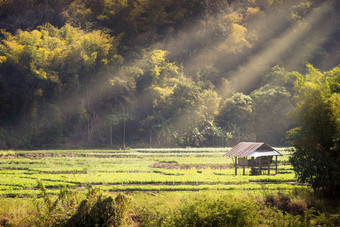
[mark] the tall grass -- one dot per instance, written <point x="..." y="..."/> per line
<point x="68" y="208"/>
<point x="225" y="209"/>
<point x="211" y="208"/>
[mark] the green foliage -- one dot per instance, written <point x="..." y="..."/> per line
<point x="212" y="209"/>
<point x="236" y="117"/>
<point x="166" y="63"/>
<point x="8" y="141"/>
<point x="316" y="157"/>
<point x="215" y="212"/>
<point x="48" y="52"/>
<point x="80" y="73"/>
<point x="271" y="105"/>
<point x="169" y="208"/>
<point x="216" y="134"/>
<point x="95" y="210"/>
<point x="47" y="63"/>
<point x="284" y="203"/>
<point x="174" y="108"/>
<point x="51" y="212"/>
<point x="132" y="170"/>
<point x="66" y="210"/>
<point x="48" y="128"/>
<point x="203" y="209"/>
<point x="193" y="185"/>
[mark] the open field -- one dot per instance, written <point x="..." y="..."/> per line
<point x="151" y="187"/>
<point x="190" y="169"/>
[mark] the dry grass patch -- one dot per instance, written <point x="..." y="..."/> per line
<point x="175" y="165"/>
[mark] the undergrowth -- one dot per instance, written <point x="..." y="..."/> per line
<point x="211" y="208"/>
<point x="73" y="208"/>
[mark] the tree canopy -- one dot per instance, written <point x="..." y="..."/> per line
<point x="77" y="73"/>
<point x="317" y="156"/>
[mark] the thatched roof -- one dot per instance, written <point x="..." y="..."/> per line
<point x="250" y="149"/>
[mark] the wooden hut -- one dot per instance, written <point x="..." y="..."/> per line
<point x="260" y="157"/>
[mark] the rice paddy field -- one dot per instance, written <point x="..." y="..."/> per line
<point x="152" y="187"/>
<point x="154" y="170"/>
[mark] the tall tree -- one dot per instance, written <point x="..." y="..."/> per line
<point x="62" y="67"/>
<point x="271" y="105"/>
<point x="236" y="116"/>
<point x="317" y="155"/>
<point x="272" y="102"/>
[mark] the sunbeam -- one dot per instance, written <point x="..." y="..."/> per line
<point x="262" y="61"/>
<point x="220" y="53"/>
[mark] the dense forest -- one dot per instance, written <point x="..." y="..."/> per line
<point x="85" y="73"/>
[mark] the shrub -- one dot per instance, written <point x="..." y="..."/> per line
<point x="213" y="212"/>
<point x="287" y="204"/>
<point x="206" y="210"/>
<point x="297" y="206"/>
<point x="94" y="210"/>
<point x="278" y="200"/>
<point x="102" y="213"/>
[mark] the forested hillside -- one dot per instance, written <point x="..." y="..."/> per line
<point x="82" y="73"/>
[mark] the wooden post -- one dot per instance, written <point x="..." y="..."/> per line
<point x="235" y="165"/>
<point x="275" y="164"/>
<point x="260" y="166"/>
<point x="268" y="159"/>
<point x="252" y="165"/>
<point x="244" y="170"/>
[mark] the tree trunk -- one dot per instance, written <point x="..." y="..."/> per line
<point x="88" y="132"/>
<point x="150" y="137"/>
<point x="124" y="125"/>
<point x="111" y="135"/>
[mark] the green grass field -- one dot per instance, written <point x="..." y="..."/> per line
<point x="155" y="187"/>
<point x="190" y="169"/>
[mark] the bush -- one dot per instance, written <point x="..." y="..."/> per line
<point x="279" y="200"/>
<point x="222" y="209"/>
<point x="297" y="206"/>
<point x="286" y="203"/>
<point x="94" y="210"/>
<point x="204" y="210"/>
<point x="214" y="212"/>
<point x="102" y="213"/>
<point x="8" y="141"/>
